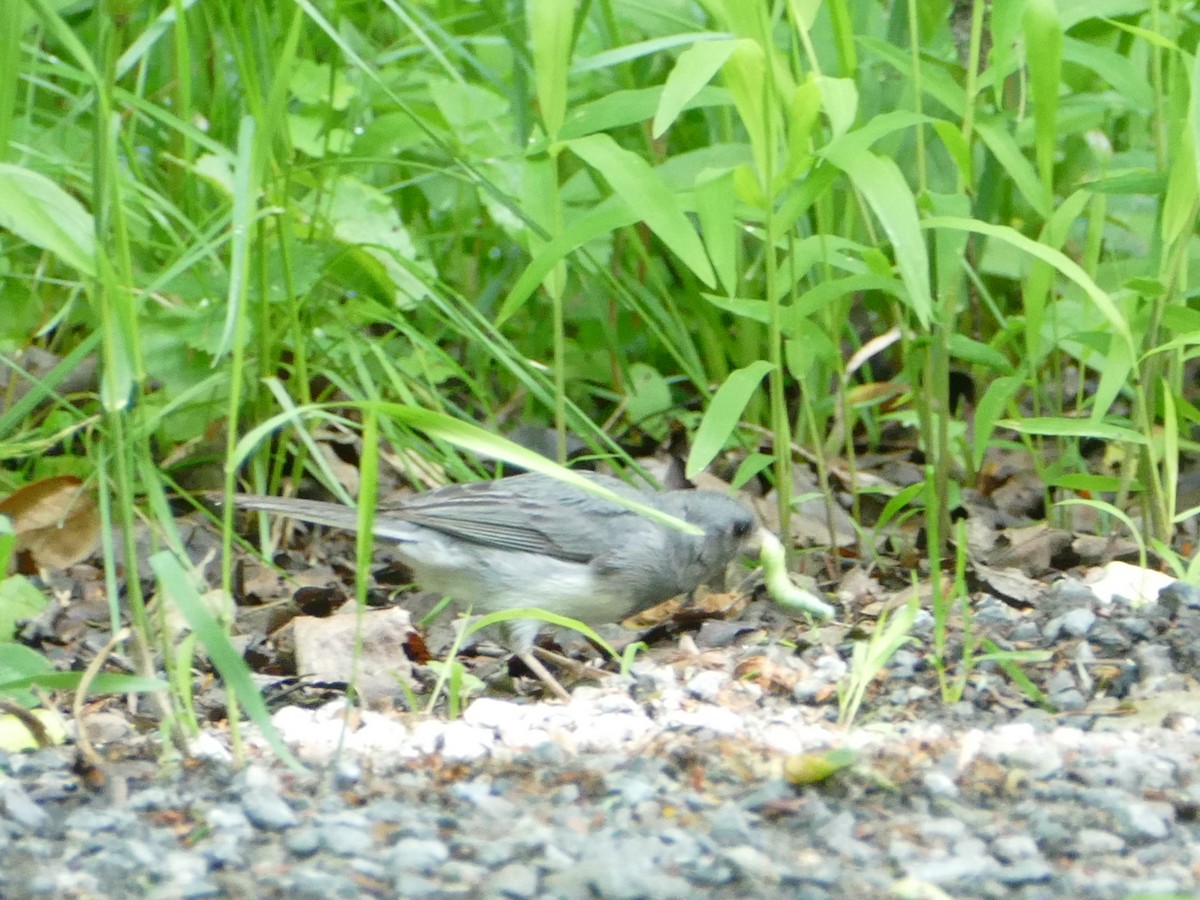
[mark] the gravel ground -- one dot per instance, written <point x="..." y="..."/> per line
<point x="676" y="783"/>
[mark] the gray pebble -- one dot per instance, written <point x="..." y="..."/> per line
<point x="302" y="841"/>
<point x="516" y="881"/>
<point x="728" y="825"/>
<point x="268" y="810"/>
<point x="1094" y="842"/>
<point x="418" y="855"/>
<point x="17" y="805"/>
<point x="1015" y="848"/>
<point x="752" y="864"/>
<point x="1078" y="622"/>
<point x="940" y="785"/>
<point x="1145" y="820"/>
<point x="342" y="839"/>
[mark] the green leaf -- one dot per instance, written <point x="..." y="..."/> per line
<point x="19" y="600"/>
<point x="1059" y="427"/>
<point x="550" y="26"/>
<point x="839" y="100"/>
<point x="1044" y="36"/>
<point x="542" y="615"/>
<point x="1086" y="482"/>
<point x="978" y="353"/>
<point x="714" y="197"/>
<point x="104" y="683"/>
<point x="461" y="434"/>
<point x="39" y="211"/>
<point x="603" y="219"/>
<point x="723" y="414"/>
<point x="1015" y="165"/>
<point x="693" y="70"/>
<point x="8" y="540"/>
<point x="1115" y="68"/>
<point x="636" y="182"/>
<point x="883" y="185"/>
<point x="744" y="74"/>
<point x="992" y="405"/>
<point x="17" y="664"/>
<point x="649" y="394"/>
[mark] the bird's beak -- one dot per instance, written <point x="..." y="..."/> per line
<point x="754" y="542"/>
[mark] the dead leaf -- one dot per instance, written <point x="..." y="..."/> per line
<point x="325" y="649"/>
<point x="767" y="674"/>
<point x="55" y="520"/>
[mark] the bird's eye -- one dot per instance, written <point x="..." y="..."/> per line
<point x="742" y="527"/>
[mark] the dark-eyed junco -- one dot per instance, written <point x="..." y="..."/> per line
<point x="534" y="541"/>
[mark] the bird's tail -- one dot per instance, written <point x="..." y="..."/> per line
<point x="316" y="512"/>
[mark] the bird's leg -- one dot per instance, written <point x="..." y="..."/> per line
<point x="576" y="668"/>
<point x="536" y="667"/>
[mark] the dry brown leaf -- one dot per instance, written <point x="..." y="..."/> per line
<point x="55" y="520"/>
<point x="767" y="674"/>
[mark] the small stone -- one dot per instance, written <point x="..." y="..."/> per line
<point x="1078" y="622"/>
<point x="419" y="854"/>
<point x="728" y="825"/>
<point x="1145" y="820"/>
<point x="752" y="864"/>
<point x="462" y="742"/>
<point x="302" y="841"/>
<point x="706" y="685"/>
<point x="516" y="880"/>
<point x="267" y="810"/>
<point x="1094" y="842"/>
<point x="939" y="784"/>
<point x="1014" y="848"/>
<point x="19" y="806"/>
<point x="345" y="840"/>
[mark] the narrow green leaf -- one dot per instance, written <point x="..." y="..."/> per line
<point x="550" y="26"/>
<point x="39" y="211"/>
<point x="1117" y="69"/>
<point x="1044" y="38"/>
<point x="1016" y="166"/>
<point x="714" y="198"/>
<point x="1059" y="427"/>
<point x="104" y="683"/>
<point x="641" y="49"/>
<point x="603" y="219"/>
<point x="843" y="36"/>
<point x="723" y="414"/>
<point x="461" y="434"/>
<point x="542" y="615"/>
<point x="1082" y="482"/>
<point x="992" y="405"/>
<point x="744" y="73"/>
<point x="636" y="182"/>
<point x="977" y="353"/>
<point x="886" y="192"/>
<point x="693" y="70"/>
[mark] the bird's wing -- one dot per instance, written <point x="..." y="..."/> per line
<point x="531" y="513"/>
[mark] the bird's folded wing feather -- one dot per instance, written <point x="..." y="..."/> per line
<point x="530" y="513"/>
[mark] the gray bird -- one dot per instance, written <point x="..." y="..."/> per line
<point x="534" y="541"/>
